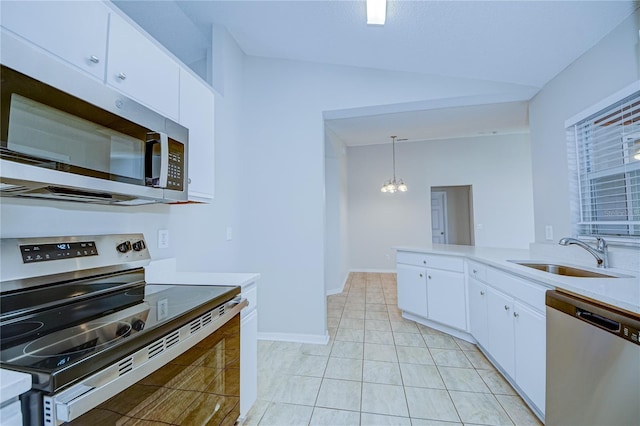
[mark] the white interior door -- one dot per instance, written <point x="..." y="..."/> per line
<point x="439" y="217"/>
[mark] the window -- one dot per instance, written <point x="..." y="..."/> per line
<point x="604" y="156"/>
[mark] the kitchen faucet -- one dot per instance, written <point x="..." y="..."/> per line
<point x="600" y="252"/>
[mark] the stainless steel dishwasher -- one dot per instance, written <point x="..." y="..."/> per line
<point x="593" y="363"/>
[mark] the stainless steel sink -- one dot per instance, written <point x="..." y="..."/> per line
<point x="568" y="271"/>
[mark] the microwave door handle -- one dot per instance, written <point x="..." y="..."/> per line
<point x="164" y="160"/>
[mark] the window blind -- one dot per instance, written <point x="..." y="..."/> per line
<point x="605" y="151"/>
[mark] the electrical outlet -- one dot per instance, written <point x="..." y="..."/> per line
<point x="163" y="309"/>
<point x="229" y="233"/>
<point x="163" y="238"/>
<point x="548" y="232"/>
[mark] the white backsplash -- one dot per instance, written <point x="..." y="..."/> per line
<point x="620" y="257"/>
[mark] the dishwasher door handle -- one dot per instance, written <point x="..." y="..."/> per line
<point x="598" y="320"/>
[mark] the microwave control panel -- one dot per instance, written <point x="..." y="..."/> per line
<point x="175" y="174"/>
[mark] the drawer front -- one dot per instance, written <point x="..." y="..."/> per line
<point x="477" y="270"/>
<point x="529" y="293"/>
<point x="411" y="258"/>
<point x="448" y="263"/>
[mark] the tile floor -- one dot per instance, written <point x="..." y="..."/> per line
<point x="380" y="369"/>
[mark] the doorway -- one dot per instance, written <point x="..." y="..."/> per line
<point x="452" y="215"/>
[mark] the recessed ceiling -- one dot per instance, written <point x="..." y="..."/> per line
<point x="522" y="42"/>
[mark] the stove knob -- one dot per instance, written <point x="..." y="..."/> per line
<point x="123" y="331"/>
<point x="124" y="247"/>
<point x="138" y="325"/>
<point x="139" y="245"/>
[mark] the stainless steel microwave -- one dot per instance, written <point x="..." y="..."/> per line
<point x="112" y="151"/>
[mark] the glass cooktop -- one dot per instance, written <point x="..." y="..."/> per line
<point x="62" y="356"/>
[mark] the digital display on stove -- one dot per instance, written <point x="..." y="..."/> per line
<point x="56" y="251"/>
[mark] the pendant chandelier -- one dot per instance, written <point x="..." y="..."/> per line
<point x="393" y="185"/>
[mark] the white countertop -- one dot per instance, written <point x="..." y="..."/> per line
<point x="164" y="272"/>
<point x="13" y="384"/>
<point x="623" y="293"/>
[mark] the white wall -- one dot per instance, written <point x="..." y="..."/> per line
<point x="606" y="68"/>
<point x="31" y="218"/>
<point x="201" y="229"/>
<point x="336" y="248"/>
<point x="282" y="210"/>
<point x="497" y="167"/>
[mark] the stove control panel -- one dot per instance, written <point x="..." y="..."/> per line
<point x="56" y="251"/>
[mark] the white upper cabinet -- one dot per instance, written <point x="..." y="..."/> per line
<point x="73" y="31"/>
<point x="197" y="114"/>
<point x="138" y="68"/>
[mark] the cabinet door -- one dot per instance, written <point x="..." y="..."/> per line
<point x="412" y="289"/>
<point x="478" y="312"/>
<point x="501" y="334"/>
<point x="140" y="69"/>
<point x="248" y="362"/>
<point x="446" y="298"/>
<point x="197" y="114"/>
<point x="73" y="31"/>
<point x="530" y="352"/>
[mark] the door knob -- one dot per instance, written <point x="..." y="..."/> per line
<point x="122" y="76"/>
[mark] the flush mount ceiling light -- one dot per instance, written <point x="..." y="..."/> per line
<point x="376" y="12"/>
<point x="392" y="185"/>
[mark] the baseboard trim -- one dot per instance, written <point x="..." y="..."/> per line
<point x="379" y="271"/>
<point x="341" y="289"/>
<point x="316" y="339"/>
<point x="440" y="327"/>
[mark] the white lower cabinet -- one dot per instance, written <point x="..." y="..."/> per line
<point x="248" y="362"/>
<point x="516" y="330"/>
<point x="478" y="322"/>
<point x="412" y="289"/>
<point x="530" y="352"/>
<point x="432" y="288"/>
<point x="500" y="325"/>
<point x="249" y="350"/>
<point x="445" y="298"/>
<point x="506" y="313"/>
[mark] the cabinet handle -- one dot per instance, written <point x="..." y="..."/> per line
<point x="122" y="76"/>
<point x="94" y="59"/>
<point x="475" y="271"/>
<point x="515" y="314"/>
<point x="424" y="262"/>
<point x="420" y="275"/>
<point x="482" y="293"/>
<point x="429" y="276"/>
<point x="506" y="307"/>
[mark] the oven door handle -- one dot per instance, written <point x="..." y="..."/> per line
<point x="238" y="302"/>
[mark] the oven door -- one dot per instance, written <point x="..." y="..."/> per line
<point x="82" y="397"/>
